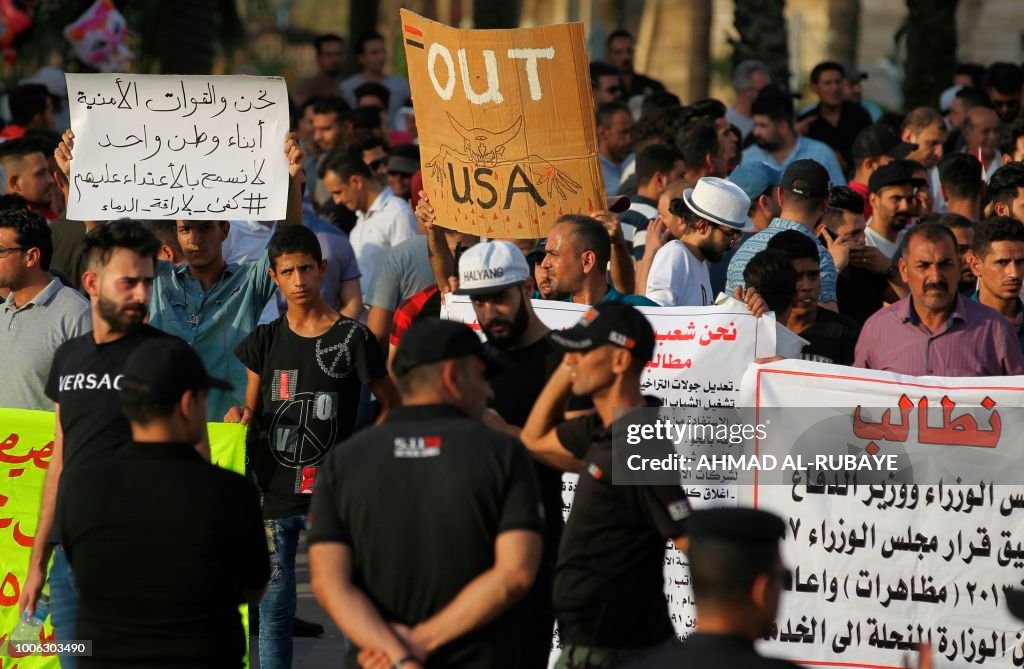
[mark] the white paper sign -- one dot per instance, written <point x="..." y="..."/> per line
<point x="178" y="147"/>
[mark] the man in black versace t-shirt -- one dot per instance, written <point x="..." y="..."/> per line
<point x="84" y="380"/>
<point x="305" y="374"/>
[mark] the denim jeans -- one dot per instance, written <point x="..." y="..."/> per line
<point x="63" y="603"/>
<point x="277" y="608"/>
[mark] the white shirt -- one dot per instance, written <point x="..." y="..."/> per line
<point x="247" y="240"/>
<point x="388" y="222"/>
<point x="872" y="238"/>
<point x="678" y="279"/>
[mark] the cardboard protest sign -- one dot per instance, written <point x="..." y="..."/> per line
<point x="506" y="125"/>
<point x="26" y="446"/>
<point x="178" y="147"/>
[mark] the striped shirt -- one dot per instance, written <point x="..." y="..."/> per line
<point x="975" y="341"/>
<point x="759" y="242"/>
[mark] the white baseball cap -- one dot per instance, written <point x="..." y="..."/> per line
<point x="488" y="267"/>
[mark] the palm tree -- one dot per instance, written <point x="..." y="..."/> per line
<point x="931" y="37"/>
<point x="844" y="22"/>
<point x="761" y="25"/>
<point x="496" y="13"/>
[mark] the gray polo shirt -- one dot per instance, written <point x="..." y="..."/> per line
<point x="30" y="335"/>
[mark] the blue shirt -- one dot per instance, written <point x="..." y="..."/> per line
<point x="805" y="148"/>
<point x="612" y="173"/>
<point x="1018" y="323"/>
<point x="759" y="242"/>
<point x="213" y="322"/>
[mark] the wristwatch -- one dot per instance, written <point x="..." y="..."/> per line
<point x="402" y="662"/>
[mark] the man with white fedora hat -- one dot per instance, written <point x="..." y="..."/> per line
<point x="715" y="212"/>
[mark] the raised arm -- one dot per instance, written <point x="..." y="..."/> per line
<point x="442" y="262"/>
<point x="296" y="178"/>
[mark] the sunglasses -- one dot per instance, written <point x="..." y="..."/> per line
<point x="376" y="164"/>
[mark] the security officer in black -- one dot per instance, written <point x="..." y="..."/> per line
<point x="608" y="591"/>
<point x="738" y="578"/>
<point x="427" y="528"/>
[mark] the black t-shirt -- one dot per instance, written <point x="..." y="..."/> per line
<point x="420" y="501"/>
<point x="84" y="380"/>
<point x="860" y="293"/>
<point x="609" y="584"/>
<point x="163" y="545"/>
<point x="833" y="338"/>
<point x="309" y="395"/>
<point x="852" y="119"/>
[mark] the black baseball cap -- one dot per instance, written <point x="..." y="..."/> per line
<point x="806" y="177"/>
<point x="879" y="139"/>
<point x="434" y="340"/>
<point x="739" y="525"/>
<point x="1015" y="602"/>
<point x="161" y="369"/>
<point x="895" y="173"/>
<point x="612" y="323"/>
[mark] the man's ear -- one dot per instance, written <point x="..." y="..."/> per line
<point x="903" y="271"/>
<point x="1002" y="209"/>
<point x="589" y="260"/>
<point x="323" y="267"/>
<point x="273" y="275"/>
<point x="622" y="359"/>
<point x="33" y="257"/>
<point x="12" y="183"/>
<point x="91" y="283"/>
<point x="759" y="590"/>
<point x="974" y="262"/>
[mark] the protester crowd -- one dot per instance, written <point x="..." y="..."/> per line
<point x="426" y="465"/>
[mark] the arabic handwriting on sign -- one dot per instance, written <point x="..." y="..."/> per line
<point x="961" y="431"/>
<point x="669" y="361"/>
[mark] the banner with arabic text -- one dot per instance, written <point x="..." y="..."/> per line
<point x="922" y="555"/>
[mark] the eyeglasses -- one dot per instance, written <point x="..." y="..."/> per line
<point x="375" y="165"/>
<point x="6" y="251"/>
<point x="727" y="231"/>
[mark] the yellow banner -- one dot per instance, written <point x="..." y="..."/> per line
<point x="24" y="457"/>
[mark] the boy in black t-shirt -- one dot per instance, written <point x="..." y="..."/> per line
<point x="305" y="373"/>
<point x="832" y="336"/>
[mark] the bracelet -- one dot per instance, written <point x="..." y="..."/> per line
<point x="399" y="663"/>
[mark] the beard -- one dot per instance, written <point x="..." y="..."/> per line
<point x="122" y="319"/>
<point x="514" y="329"/>
<point x="767" y="144"/>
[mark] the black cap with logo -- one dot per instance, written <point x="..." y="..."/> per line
<point x="612" y="323"/>
<point x="161" y="369"/>
<point x="894" y="174"/>
<point x="434" y="340"/>
<point x="806" y="177"/>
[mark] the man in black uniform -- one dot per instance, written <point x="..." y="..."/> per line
<point x="84" y="381"/>
<point x="608" y="595"/>
<point x="164" y="545"/>
<point x="738" y="578"/>
<point x="426" y="528"/>
<point x="497" y="278"/>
